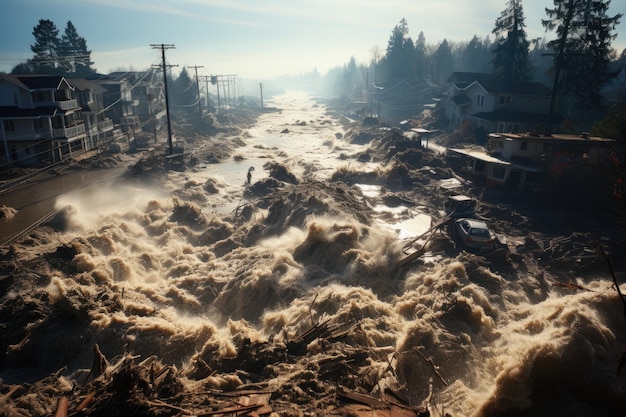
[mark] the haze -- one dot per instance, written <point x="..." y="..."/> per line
<point x="255" y="39"/>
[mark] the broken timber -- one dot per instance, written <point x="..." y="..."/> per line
<point x="413" y="256"/>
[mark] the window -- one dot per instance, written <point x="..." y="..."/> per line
<point x="38" y="124"/>
<point x="499" y="171"/>
<point x="501" y="128"/>
<point x="523" y="146"/>
<point x="480" y="99"/>
<point x="505" y="100"/>
<point x="9" y="126"/>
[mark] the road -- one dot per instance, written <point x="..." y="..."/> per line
<point x="35" y="199"/>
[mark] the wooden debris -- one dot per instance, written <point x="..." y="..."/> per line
<point x="62" y="407"/>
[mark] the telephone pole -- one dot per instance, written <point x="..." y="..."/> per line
<point x="163" y="47"/>
<point x="198" y="87"/>
<point x="206" y="84"/>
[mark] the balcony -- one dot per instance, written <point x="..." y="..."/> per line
<point x="67" y="104"/>
<point x="106" y="125"/>
<point x="68" y="132"/>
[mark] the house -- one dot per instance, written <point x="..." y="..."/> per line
<point x="40" y="119"/>
<point x="520" y="161"/>
<point x="133" y="99"/>
<point x="100" y="129"/>
<point x="496" y="106"/>
<point x="396" y="100"/>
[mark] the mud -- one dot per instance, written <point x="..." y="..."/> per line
<point x="294" y="303"/>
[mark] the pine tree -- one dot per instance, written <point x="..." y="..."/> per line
<point x="443" y="62"/>
<point x="74" y="55"/>
<point x="400" y="52"/>
<point x="582" y="47"/>
<point x="46" y="47"/>
<point x="475" y="56"/>
<point x="510" y="62"/>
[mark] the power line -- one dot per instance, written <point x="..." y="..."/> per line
<point x="198" y="87"/>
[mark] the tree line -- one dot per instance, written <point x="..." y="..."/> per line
<point x="578" y="63"/>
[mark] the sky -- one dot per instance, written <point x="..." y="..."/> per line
<point x="255" y="39"/>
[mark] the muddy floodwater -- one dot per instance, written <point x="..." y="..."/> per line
<point x="179" y="286"/>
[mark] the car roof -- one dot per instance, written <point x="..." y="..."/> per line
<point x="473" y="223"/>
<point x="460" y="197"/>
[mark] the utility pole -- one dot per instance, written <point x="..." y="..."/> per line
<point x="163" y="47"/>
<point x="198" y="87"/>
<point x="206" y="83"/>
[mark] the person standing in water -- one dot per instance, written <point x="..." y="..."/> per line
<point x="250" y="174"/>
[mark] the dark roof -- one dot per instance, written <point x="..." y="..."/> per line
<point x="468" y="77"/>
<point x="36" y="82"/>
<point x="504" y="115"/>
<point x="83" y="84"/>
<point x="461" y="100"/>
<point x="524" y="89"/>
<point x="14" y="112"/>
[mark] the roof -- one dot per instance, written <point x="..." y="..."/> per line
<point x="557" y="137"/>
<point x="514" y="88"/>
<point x="37" y="82"/>
<point x="468" y="77"/>
<point x="461" y="100"/>
<point x="460" y="197"/>
<point x="84" y="85"/>
<point x="473" y="223"/>
<point x="505" y="115"/>
<point x="483" y="156"/>
<point x="14" y="112"/>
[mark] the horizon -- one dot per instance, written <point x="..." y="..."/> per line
<point x="255" y="40"/>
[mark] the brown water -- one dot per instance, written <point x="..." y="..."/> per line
<point x="501" y="345"/>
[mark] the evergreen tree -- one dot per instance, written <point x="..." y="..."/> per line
<point x="74" y="55"/>
<point x="184" y="94"/>
<point x="582" y="47"/>
<point x="443" y="62"/>
<point x="46" y="47"/>
<point x="510" y="62"/>
<point x="399" y="56"/>
<point x="420" y="55"/>
<point x="475" y="56"/>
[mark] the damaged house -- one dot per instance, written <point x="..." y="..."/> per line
<point x="496" y="106"/>
<point x="41" y="119"/>
<point x="520" y="161"/>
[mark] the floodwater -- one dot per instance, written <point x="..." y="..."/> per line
<point x="455" y="332"/>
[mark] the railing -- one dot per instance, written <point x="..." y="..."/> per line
<point x="106" y="125"/>
<point x="68" y="132"/>
<point x="67" y="104"/>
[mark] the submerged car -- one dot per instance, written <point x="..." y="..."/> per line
<point x="474" y="234"/>
<point x="459" y="206"/>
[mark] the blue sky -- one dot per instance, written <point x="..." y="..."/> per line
<point x="255" y="39"/>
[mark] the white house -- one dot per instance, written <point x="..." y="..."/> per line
<point x="40" y="119"/>
<point x="496" y="106"/>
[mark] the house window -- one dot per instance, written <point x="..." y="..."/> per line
<point x="479" y="166"/>
<point x="480" y="99"/>
<point x="501" y="128"/>
<point x="498" y="171"/>
<point x="38" y="124"/>
<point x="505" y="100"/>
<point x="523" y="146"/>
<point x="9" y="126"/>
